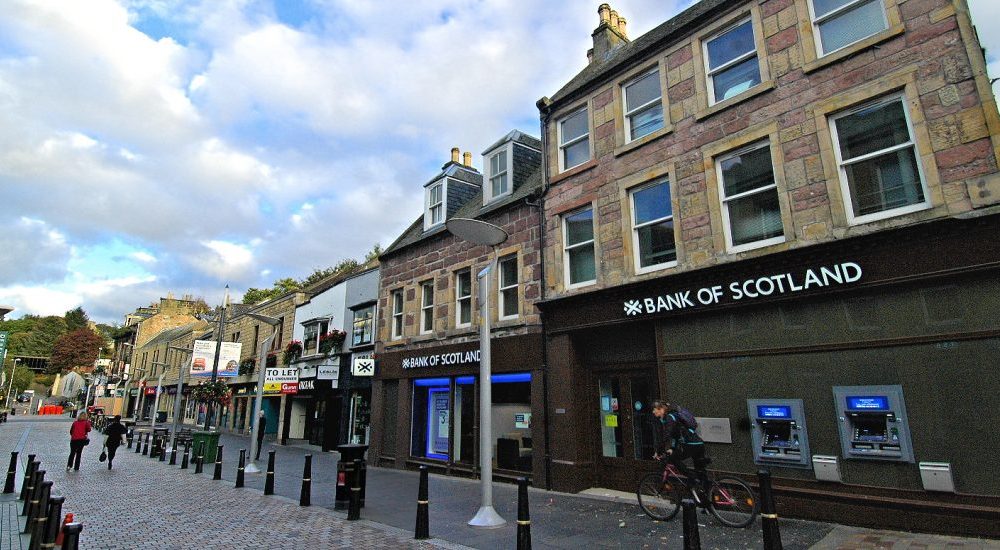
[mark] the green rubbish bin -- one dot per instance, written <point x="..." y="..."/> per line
<point x="211" y="441"/>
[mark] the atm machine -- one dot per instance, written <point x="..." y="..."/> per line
<point x="778" y="430"/>
<point x="873" y="423"/>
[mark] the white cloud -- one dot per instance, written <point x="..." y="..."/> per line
<point x="144" y="257"/>
<point x="224" y="260"/>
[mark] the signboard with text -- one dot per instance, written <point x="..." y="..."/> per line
<point x="3" y="344"/>
<point x="203" y="358"/>
<point x="281" y="380"/>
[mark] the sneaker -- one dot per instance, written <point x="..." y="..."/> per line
<point x="68" y="468"/>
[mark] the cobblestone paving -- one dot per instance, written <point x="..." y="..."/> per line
<point x="849" y="538"/>
<point x="144" y="503"/>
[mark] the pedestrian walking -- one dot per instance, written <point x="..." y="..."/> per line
<point x="78" y="440"/>
<point x="116" y="437"/>
<point x="260" y="432"/>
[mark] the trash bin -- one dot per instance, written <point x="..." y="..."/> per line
<point x="211" y="441"/>
<point x="346" y="473"/>
<point x="161" y="417"/>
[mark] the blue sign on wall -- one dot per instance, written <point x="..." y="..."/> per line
<point x="773" y="412"/>
<point x="868" y="403"/>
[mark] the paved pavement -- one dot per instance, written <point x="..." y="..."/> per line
<point x="198" y="512"/>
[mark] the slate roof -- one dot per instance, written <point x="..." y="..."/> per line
<point x="171" y="334"/>
<point x="459" y="172"/>
<point x="516" y="136"/>
<point x="678" y="27"/>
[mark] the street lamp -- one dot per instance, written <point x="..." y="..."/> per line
<point x="218" y="352"/>
<point x="156" y="399"/>
<point x="128" y="380"/>
<point x="177" y="397"/>
<point x="10" y="387"/>
<point x="259" y="398"/>
<point x="484" y="234"/>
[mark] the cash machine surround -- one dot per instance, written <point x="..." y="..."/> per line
<point x="873" y="423"/>
<point x="779" y="432"/>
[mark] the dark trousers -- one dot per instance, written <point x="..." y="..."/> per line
<point x="697" y="455"/>
<point x="75" y="453"/>
<point x="260" y="443"/>
<point x="112" y="449"/>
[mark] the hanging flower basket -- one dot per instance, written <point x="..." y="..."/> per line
<point x="212" y="392"/>
<point x="292" y="352"/>
<point x="247" y="366"/>
<point x="333" y="340"/>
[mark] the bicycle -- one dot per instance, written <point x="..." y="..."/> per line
<point x="729" y="499"/>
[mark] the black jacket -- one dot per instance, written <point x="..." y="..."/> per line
<point x="115" y="431"/>
<point x="671" y="433"/>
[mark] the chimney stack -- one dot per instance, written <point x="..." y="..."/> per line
<point x="454" y="155"/>
<point x="609" y="34"/>
<point x="621" y="27"/>
<point x="467" y="159"/>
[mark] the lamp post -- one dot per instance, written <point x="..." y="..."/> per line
<point x="259" y="398"/>
<point x="10" y="387"/>
<point x="177" y="397"/>
<point x="483" y="234"/>
<point x="128" y="380"/>
<point x="156" y="399"/>
<point x="210" y="408"/>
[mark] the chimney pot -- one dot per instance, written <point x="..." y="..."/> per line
<point x="621" y="26"/>
<point x="454" y="154"/>
<point x="604" y="10"/>
<point x="467" y="159"/>
<point x="590" y="55"/>
<point x="614" y="20"/>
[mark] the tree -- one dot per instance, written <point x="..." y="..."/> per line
<point x="78" y="348"/>
<point x="76" y="319"/>
<point x="281" y="286"/>
<point x="374" y="253"/>
<point x="34" y="336"/>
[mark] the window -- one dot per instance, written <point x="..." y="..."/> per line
<point x="840" y="23"/>
<point x="426" y="307"/>
<point x="435" y="205"/>
<point x="463" y="298"/>
<point x="498" y="170"/>
<point x="750" y="207"/>
<point x="276" y="344"/>
<point x="310" y="339"/>
<point x="653" y="227"/>
<point x="236" y="336"/>
<point x="507" y="279"/>
<point x="397" y="314"/>
<point x="732" y="62"/>
<point x="574" y="140"/>
<point x="579" y="248"/>
<point x="878" y="161"/>
<point x="362" y="326"/>
<point x="256" y="338"/>
<point x="643" y="105"/>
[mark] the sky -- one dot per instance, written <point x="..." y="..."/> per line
<point x="150" y="147"/>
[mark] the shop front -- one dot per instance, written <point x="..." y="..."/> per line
<point x="849" y="369"/>
<point x="320" y="397"/>
<point x="429" y="400"/>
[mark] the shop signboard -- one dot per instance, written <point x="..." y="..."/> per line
<point x="307" y="371"/>
<point x="456" y="358"/>
<point x="150" y="390"/>
<point x="363" y="364"/>
<point x="203" y="357"/>
<point x="279" y="380"/>
<point x="329" y="370"/>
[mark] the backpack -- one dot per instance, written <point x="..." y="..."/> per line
<point x="687" y="418"/>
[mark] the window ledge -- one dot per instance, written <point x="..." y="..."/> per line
<point x="573" y="171"/>
<point x="848" y="51"/>
<point x="636" y="143"/>
<point x="757" y="90"/>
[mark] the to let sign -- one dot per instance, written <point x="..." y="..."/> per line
<point x="281" y="380"/>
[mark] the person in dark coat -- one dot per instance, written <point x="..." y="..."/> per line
<point x="260" y="432"/>
<point x="116" y="432"/>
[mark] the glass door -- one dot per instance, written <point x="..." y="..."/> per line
<point x="624" y="423"/>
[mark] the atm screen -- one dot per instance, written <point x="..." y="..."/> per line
<point x="869" y="428"/>
<point x="868" y="403"/>
<point x="774" y="411"/>
<point x="777" y="434"/>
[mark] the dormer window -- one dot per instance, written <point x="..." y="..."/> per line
<point x="498" y="170"/>
<point x="435" y="205"/>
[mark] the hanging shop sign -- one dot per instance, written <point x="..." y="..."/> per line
<point x="329" y="370"/>
<point x="844" y="273"/>
<point x="150" y="390"/>
<point x="442" y="359"/>
<point x="280" y="380"/>
<point x="203" y="357"/>
<point x="307" y="371"/>
<point x="363" y="364"/>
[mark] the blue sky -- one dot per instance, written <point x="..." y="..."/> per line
<point x="155" y="146"/>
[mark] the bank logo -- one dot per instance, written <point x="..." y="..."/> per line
<point x="633" y="307"/>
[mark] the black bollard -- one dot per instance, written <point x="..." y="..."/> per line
<point x="128" y="438"/>
<point x="8" y="487"/>
<point x="422" y="530"/>
<point x="523" y="518"/>
<point x="768" y="514"/>
<point x="240" y="468"/>
<point x="71" y="536"/>
<point x="163" y="448"/>
<point x="269" y="476"/>
<point x="36" y="484"/>
<point x="152" y="446"/>
<point x="37" y="508"/>
<point x="217" y="475"/>
<point x="187" y="454"/>
<point x="173" y="454"/>
<point x="199" y="458"/>
<point x="138" y="443"/>
<point x="354" y="504"/>
<point x="37" y="527"/>
<point x="143" y="438"/>
<point x="305" y="494"/>
<point x="54" y="522"/>
<point x="692" y="541"/>
<point x="32" y="466"/>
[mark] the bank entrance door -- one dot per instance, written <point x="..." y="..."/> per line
<point x="624" y="418"/>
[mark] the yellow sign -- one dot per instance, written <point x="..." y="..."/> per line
<point x="611" y="420"/>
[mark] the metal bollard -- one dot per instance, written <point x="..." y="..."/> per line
<point x="154" y="441"/>
<point x="187" y="454"/>
<point x="199" y="459"/>
<point x="173" y="454"/>
<point x="71" y="538"/>
<point x="54" y="522"/>
<point x="32" y="466"/>
<point x="8" y="487"/>
<point x="768" y="514"/>
<point x="128" y="438"/>
<point x="354" y="504"/>
<point x="36" y="484"/>
<point x="523" y="518"/>
<point x="37" y="527"/>
<point x="422" y="530"/>
<point x="138" y="444"/>
<point x="39" y="506"/>
<point x="163" y="449"/>
<point x="692" y="540"/>
<point x="217" y="475"/>
<point x="305" y="494"/>
<point x="145" y="450"/>
<point x="269" y="476"/>
<point x="240" y="468"/>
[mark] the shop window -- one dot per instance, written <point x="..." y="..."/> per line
<point x="877" y="158"/>
<point x="643" y="105"/>
<point x="463" y="298"/>
<point x="397" y="314"/>
<point x="578" y="236"/>
<point x="362" y="326"/>
<point x="611" y="431"/>
<point x="426" y="307"/>
<point x="574" y="140"/>
<point x="508" y="287"/>
<point x="840" y="23"/>
<point x="310" y="338"/>
<point x="750" y="208"/>
<point x="653" y="227"/>
<point x="731" y="61"/>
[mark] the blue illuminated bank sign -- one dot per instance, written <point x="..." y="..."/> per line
<point x="843" y="273"/>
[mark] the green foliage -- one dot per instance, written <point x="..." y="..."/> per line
<point x="257" y="295"/>
<point x="23" y="379"/>
<point x="76" y="319"/>
<point x="374" y="253"/>
<point x="45" y="380"/>
<point x="78" y="348"/>
<point x="33" y="336"/>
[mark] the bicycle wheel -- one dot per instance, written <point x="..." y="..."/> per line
<point x="659" y="499"/>
<point x="732" y="502"/>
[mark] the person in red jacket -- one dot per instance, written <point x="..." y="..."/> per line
<point x="78" y="440"/>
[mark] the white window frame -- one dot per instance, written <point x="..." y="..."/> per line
<point x="443" y="204"/>
<point x="628" y="114"/>
<point x="637" y="253"/>
<point x="501" y="301"/>
<point x="709" y="71"/>
<point x="845" y="187"/>
<point x="459" y="299"/>
<point x="563" y="146"/>
<point x="397" y="315"/>
<point x="507" y="169"/>
<point x="370" y="321"/>
<point x="568" y="247"/>
<point x="723" y="199"/>
<point x="319" y="333"/>
<point x="425" y="307"/>
<point x="817" y="21"/>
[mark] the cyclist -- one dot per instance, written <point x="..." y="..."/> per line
<point x="684" y="442"/>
